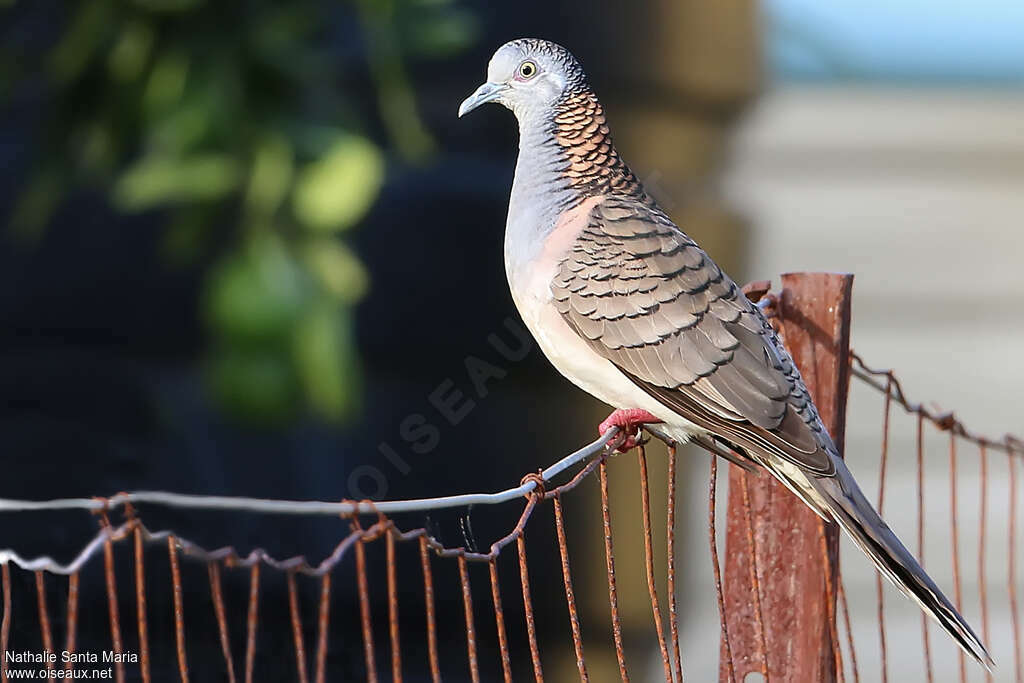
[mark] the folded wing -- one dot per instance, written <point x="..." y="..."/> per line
<point x="645" y="296"/>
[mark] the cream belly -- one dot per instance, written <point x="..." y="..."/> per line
<point x="530" y="279"/>
<point x="588" y="370"/>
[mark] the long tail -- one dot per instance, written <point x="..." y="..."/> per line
<point x="839" y="498"/>
<point x="846" y="504"/>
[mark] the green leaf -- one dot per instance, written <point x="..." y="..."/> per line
<point x="166" y="83"/>
<point x="157" y="181"/>
<point x="257" y="385"/>
<point x="181" y="128"/>
<point x="79" y="43"/>
<point x="257" y="294"/>
<point x="324" y="350"/>
<point x="131" y="51"/>
<point x="337" y="269"/>
<point x="335" y="191"/>
<point x="271" y="175"/>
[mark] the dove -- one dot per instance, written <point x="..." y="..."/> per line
<point x="631" y="310"/>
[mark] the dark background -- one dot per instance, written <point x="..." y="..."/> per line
<point x="106" y="352"/>
<point x="243" y="242"/>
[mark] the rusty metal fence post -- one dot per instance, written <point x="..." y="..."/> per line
<point x="782" y="561"/>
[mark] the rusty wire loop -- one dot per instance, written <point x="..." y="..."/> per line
<point x="467" y="605"/>
<point x="982" y="533"/>
<point x="5" y="623"/>
<point x="609" y="554"/>
<point x="531" y="625"/>
<point x="499" y="621"/>
<point x="570" y="596"/>
<point x="323" y="624"/>
<point x="364" y="607"/>
<point x="428" y="600"/>
<point x="1012" y="573"/>
<point x="396" y="648"/>
<point x="219" y="611"/>
<point x="716" y="568"/>
<point x="830" y="594"/>
<point x="670" y="563"/>
<point x="140" y="605"/>
<point x="755" y="581"/>
<point x="841" y="595"/>
<point x="302" y="673"/>
<point x="920" y="540"/>
<point x="252" y="621"/>
<point x="882" y="466"/>
<point x="72" y="618"/>
<point x="112" y="606"/>
<point x="44" y="619"/>
<point x="955" y="537"/>
<point x="179" y="608"/>
<point x="645" y="502"/>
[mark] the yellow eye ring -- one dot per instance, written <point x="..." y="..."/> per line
<point x="527" y="70"/>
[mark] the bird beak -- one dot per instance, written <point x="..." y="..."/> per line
<point x="485" y="93"/>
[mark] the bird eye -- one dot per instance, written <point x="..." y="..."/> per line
<point x="527" y="70"/>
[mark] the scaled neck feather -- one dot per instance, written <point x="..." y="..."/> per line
<point x="566" y="156"/>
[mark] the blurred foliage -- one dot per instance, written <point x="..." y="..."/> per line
<point x="242" y="121"/>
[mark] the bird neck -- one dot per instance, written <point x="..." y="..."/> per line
<point x="566" y="156"/>
<point x="593" y="166"/>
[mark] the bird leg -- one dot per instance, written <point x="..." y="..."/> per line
<point x="629" y="421"/>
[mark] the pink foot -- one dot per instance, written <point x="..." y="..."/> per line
<point x="629" y="422"/>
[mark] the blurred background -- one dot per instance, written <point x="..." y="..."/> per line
<point x="246" y="248"/>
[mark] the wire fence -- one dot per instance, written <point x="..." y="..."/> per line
<point x="1010" y="449"/>
<point x="239" y="634"/>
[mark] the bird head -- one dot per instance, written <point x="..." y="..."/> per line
<point x="527" y="75"/>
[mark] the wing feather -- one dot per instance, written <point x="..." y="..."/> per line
<point x="645" y="296"/>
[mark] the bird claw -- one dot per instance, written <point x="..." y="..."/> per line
<point x="629" y="421"/>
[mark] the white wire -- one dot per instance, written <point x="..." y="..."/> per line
<point x="305" y="507"/>
<point x="298" y="563"/>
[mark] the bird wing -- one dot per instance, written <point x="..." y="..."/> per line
<point x="646" y="297"/>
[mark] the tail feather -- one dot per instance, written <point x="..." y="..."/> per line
<point x="839" y="498"/>
<point x="846" y="504"/>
